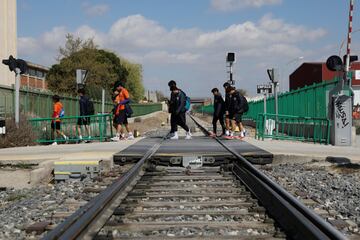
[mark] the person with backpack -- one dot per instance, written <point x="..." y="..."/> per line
<point x="58" y="113"/>
<point x="238" y="106"/>
<point x="86" y="109"/>
<point x="227" y="86"/>
<point x="121" y="112"/>
<point x="219" y="111"/>
<point x="177" y="108"/>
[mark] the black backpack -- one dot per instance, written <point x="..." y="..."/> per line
<point x="244" y="104"/>
<point x="90" y="110"/>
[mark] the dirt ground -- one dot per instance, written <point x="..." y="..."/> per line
<point x="151" y="123"/>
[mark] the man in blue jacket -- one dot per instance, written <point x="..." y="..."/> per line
<point x="178" y="112"/>
<point x="84" y="111"/>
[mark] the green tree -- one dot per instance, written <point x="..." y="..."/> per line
<point x="133" y="79"/>
<point x="104" y="68"/>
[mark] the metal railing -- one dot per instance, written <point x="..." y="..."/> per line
<point x="36" y="103"/>
<point x="287" y="127"/>
<point x="99" y="126"/>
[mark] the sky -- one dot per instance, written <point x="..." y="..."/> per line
<point x="187" y="40"/>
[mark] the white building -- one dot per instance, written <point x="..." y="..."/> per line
<point x="8" y="38"/>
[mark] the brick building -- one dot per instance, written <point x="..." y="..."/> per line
<point x="35" y="77"/>
<point x="316" y="72"/>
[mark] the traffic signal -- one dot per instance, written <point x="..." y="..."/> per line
<point x="14" y="63"/>
<point x="230" y="57"/>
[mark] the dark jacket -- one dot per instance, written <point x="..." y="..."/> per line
<point x="84" y="105"/>
<point x="219" y="106"/>
<point x="235" y="103"/>
<point x="177" y="103"/>
<point x="227" y="101"/>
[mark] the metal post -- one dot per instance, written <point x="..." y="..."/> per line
<point x="265" y="129"/>
<point x="276" y="107"/>
<point x="17" y="96"/>
<point x="103" y="101"/>
<point x="347" y="66"/>
<point x="231" y="74"/>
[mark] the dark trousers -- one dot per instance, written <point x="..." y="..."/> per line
<point x="221" y="120"/>
<point x="178" y="119"/>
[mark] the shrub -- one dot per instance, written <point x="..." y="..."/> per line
<point x="17" y="137"/>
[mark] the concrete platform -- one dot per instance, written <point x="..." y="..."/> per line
<point x="172" y="151"/>
<point x="43" y="157"/>
<point x="300" y="151"/>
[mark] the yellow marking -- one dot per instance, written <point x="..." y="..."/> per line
<point x="62" y="173"/>
<point x="77" y="163"/>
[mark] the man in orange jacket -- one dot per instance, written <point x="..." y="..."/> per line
<point x="56" y="122"/>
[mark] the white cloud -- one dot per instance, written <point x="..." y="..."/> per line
<point x="232" y="5"/>
<point x="267" y="41"/>
<point x="95" y="10"/>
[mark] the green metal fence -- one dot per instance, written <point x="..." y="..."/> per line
<point x="39" y="104"/>
<point x="287" y="127"/>
<point x="310" y="101"/>
<point x="99" y="127"/>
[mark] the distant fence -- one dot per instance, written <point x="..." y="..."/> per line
<point x="39" y="104"/>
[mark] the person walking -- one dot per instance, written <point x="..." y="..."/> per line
<point x="238" y="106"/>
<point x="219" y="110"/>
<point x="121" y="117"/>
<point x="178" y="112"/>
<point x="58" y="112"/>
<point x="85" y="110"/>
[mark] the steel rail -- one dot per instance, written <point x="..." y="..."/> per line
<point x="78" y="224"/>
<point x="298" y="221"/>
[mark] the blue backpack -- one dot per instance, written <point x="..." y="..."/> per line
<point x="62" y="113"/>
<point x="187" y="103"/>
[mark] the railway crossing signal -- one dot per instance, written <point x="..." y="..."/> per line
<point x="18" y="66"/>
<point x="230" y="59"/>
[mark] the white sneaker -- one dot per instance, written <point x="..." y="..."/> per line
<point x="130" y="136"/>
<point x="188" y="136"/>
<point x="227" y="133"/>
<point x="231" y="134"/>
<point x="54" y="144"/>
<point x="175" y="136"/>
<point x="115" y="139"/>
<point x="242" y="134"/>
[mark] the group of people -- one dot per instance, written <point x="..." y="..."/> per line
<point x="86" y="109"/>
<point x="233" y="107"/>
<point x="121" y="100"/>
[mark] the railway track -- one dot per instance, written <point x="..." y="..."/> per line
<point x="154" y="202"/>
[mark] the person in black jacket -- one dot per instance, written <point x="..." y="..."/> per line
<point x="82" y="120"/>
<point x="178" y="112"/>
<point x="236" y="110"/>
<point x="219" y="110"/>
